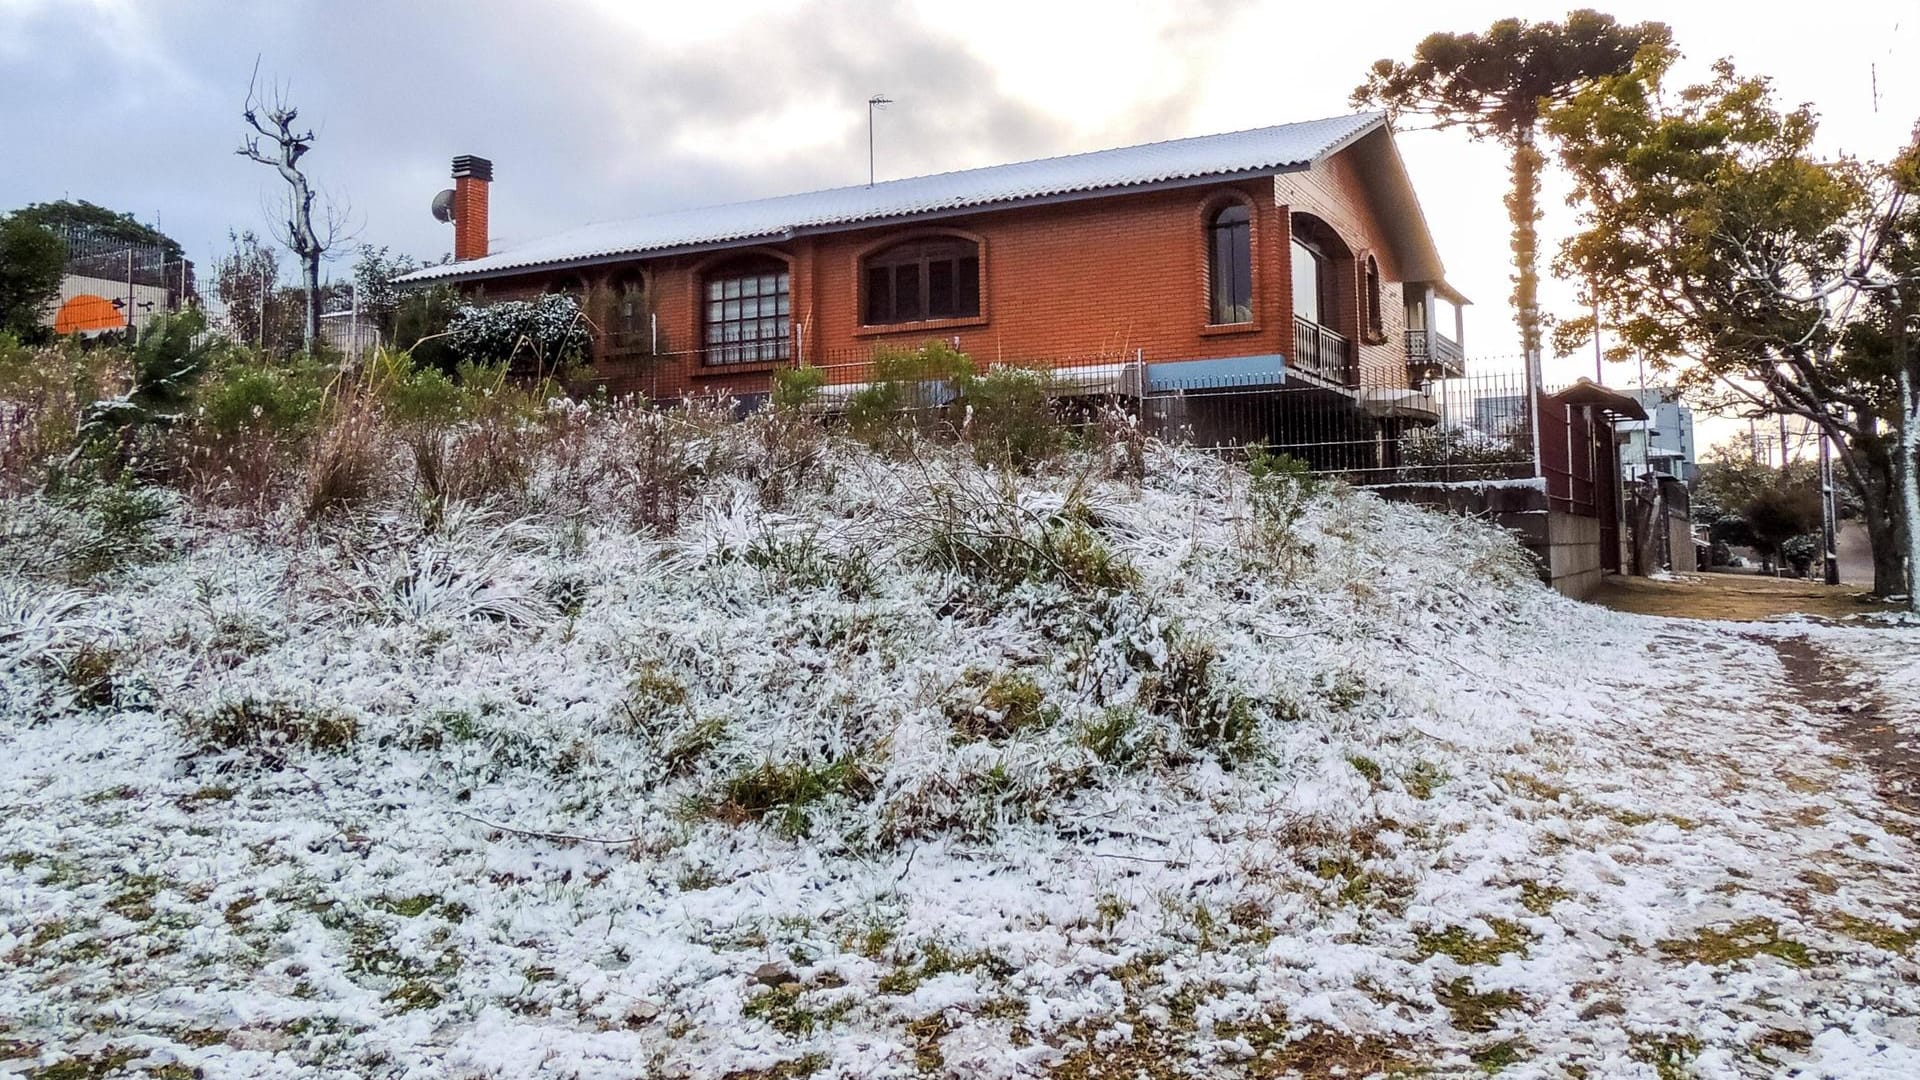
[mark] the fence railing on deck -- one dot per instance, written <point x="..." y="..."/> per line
<point x="1321" y="352"/>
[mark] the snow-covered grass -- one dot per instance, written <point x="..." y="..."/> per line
<point x="784" y="758"/>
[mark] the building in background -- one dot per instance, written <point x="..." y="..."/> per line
<point x="1663" y="443"/>
<point x="111" y="284"/>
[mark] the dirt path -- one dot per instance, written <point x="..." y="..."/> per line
<point x="1732" y="597"/>
<point x="1828" y="686"/>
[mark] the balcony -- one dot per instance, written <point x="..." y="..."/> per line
<point x="1445" y="352"/>
<point x="1321" y="352"/>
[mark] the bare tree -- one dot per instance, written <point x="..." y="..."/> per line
<point x="275" y="121"/>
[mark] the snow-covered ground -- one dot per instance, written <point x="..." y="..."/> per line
<point x="889" y="768"/>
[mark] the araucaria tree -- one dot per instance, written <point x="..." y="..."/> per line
<point x="1498" y="85"/>
<point x="1717" y="243"/>
<point x="276" y="121"/>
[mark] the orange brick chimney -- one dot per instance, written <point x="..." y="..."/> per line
<point x="471" y="178"/>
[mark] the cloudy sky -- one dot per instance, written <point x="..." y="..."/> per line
<point x="595" y="109"/>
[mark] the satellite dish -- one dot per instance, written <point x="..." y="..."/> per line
<point x="443" y="206"/>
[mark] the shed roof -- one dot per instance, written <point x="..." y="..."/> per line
<point x="1177" y="162"/>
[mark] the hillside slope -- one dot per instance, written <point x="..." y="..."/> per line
<point x="863" y="765"/>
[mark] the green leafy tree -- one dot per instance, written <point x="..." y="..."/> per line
<point x="374" y="275"/>
<point x="82" y="219"/>
<point x="32" y="260"/>
<point x="1498" y="85"/>
<point x="1719" y="246"/>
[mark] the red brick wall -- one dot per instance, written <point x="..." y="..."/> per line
<point x="469" y="217"/>
<point x="1079" y="281"/>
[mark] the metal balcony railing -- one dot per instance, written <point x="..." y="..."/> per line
<point x="1445" y="350"/>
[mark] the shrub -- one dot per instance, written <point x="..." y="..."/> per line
<point x="1440" y="455"/>
<point x="345" y="471"/>
<point x="96" y="525"/>
<point x="906" y="392"/>
<point x="544" y="334"/>
<point x="797" y="387"/>
<point x="1186" y="688"/>
<point x="985" y="535"/>
<point x="803" y="564"/>
<point x="251" y="396"/>
<point x="252" y="723"/>
<point x="1010" y="416"/>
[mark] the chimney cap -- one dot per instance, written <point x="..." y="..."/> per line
<point x="478" y="168"/>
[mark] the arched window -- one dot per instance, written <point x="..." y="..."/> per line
<point x="1376" y="322"/>
<point x="747" y="312"/>
<point x="631" y="309"/>
<point x="1230" y="265"/>
<point x="921" y="279"/>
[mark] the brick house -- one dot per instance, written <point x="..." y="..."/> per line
<point x="1293" y="254"/>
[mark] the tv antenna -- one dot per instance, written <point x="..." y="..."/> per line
<point x="877" y="101"/>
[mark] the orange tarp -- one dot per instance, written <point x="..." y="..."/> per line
<point x="87" y="312"/>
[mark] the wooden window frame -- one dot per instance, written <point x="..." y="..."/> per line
<point x="1216" y="228"/>
<point x="920" y="255"/>
<point x="757" y="278"/>
<point x="1373" y="321"/>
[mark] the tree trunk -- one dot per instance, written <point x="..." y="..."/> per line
<point x="311" y="269"/>
<point x="1909" y="463"/>
<point x="1523" y="210"/>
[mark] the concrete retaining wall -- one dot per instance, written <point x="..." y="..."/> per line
<point x="1566" y="547"/>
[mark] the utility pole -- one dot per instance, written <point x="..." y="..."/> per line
<point x="1829" y="514"/>
<point x="877" y="101"/>
<point x="1599" y="366"/>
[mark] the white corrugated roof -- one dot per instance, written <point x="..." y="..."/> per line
<point x="1268" y="149"/>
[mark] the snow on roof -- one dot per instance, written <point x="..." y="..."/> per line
<point x="1260" y="150"/>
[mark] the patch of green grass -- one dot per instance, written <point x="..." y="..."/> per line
<point x="1743" y="940"/>
<point x="263" y="724"/>
<point x="781" y="1007"/>
<point x="413" y="995"/>
<point x="785" y="792"/>
<point x="1366" y="767"/>
<point x="936" y="960"/>
<point x="103" y="1064"/>
<point x="1875" y="933"/>
<point x="1423" y="779"/>
<point x="1475" y="1011"/>
<point x="1499" y="1055"/>
<point x="410" y="906"/>
<point x="793" y="1069"/>
<point x="1528" y="784"/>
<point x="210" y="793"/>
<point x="20" y="860"/>
<point x="998" y="705"/>
<point x="1539" y="898"/>
<point x="1465" y="947"/>
<point x="1114" y="737"/>
<point x="1669" y="1054"/>
<point x="135" y="900"/>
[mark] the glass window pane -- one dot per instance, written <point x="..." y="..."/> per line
<point x="781" y="305"/>
<point x="967" y="290"/>
<point x="906" y="292"/>
<point x="879" y="295"/>
<point x="713" y="289"/>
<point x="940" y="301"/>
<point x="1241" y="252"/>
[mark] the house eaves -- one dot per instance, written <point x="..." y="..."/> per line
<point x="1153" y="166"/>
